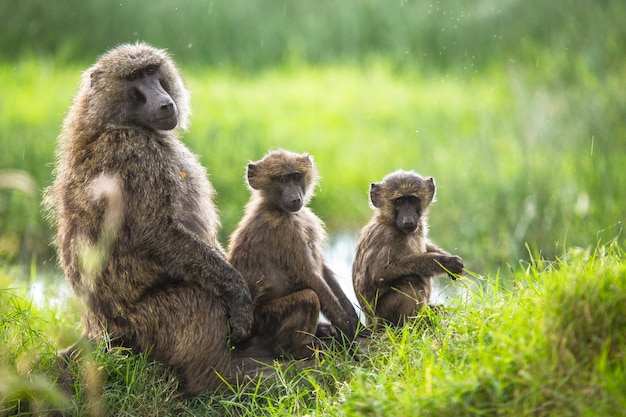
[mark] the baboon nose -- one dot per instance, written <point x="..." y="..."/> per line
<point x="166" y="115"/>
<point x="296" y="204"/>
<point x="293" y="205"/>
<point x="409" y="226"/>
<point x="167" y="108"/>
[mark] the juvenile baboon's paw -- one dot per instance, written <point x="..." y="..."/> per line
<point x="325" y="330"/>
<point x="453" y="265"/>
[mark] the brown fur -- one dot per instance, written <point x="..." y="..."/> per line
<point x="394" y="263"/>
<point x="278" y="248"/>
<point x="137" y="227"/>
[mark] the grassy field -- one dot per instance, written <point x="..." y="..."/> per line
<point x="517" y="109"/>
<point x="552" y="345"/>
<point x="516" y="160"/>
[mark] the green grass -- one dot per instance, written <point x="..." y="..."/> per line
<point x="552" y="345"/>
<point x="517" y="160"/>
<point x="518" y="114"/>
<point x="440" y="34"/>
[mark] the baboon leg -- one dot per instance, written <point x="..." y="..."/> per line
<point x="403" y="300"/>
<point x="393" y="308"/>
<point x="185" y="327"/>
<point x="288" y="324"/>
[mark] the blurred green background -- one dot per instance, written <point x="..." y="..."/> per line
<point x="517" y="108"/>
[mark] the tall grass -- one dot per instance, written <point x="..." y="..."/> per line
<point x="515" y="161"/>
<point x="249" y="35"/>
<point x="516" y="112"/>
<point x="551" y="345"/>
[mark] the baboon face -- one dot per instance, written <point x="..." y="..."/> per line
<point x="408" y="212"/>
<point x="285" y="179"/>
<point x="153" y="107"/>
<point x="403" y="198"/>
<point x="137" y="85"/>
<point x="286" y="190"/>
<point x="290" y="191"/>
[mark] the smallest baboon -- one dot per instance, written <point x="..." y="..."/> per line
<point x="278" y="248"/>
<point x="394" y="263"/>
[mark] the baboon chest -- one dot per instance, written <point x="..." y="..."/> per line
<point x="299" y="259"/>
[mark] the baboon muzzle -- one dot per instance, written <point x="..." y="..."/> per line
<point x="160" y="108"/>
<point x="292" y="199"/>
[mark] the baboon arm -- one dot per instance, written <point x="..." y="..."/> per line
<point x="187" y="258"/>
<point x="431" y="247"/>
<point x="453" y="264"/>
<point x="343" y="299"/>
<point x="332" y="307"/>
<point x="198" y="262"/>
<point x="423" y="264"/>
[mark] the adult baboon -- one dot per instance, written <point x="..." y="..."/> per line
<point x="278" y="249"/>
<point x="394" y="263"/>
<point x="137" y="227"/>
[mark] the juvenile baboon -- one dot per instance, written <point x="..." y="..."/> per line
<point x="137" y="226"/>
<point x="394" y="263"/>
<point x="278" y="249"/>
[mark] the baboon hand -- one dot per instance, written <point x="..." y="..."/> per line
<point x="452" y="264"/>
<point x="241" y="325"/>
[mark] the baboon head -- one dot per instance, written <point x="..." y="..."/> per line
<point x="402" y="199"/>
<point x="284" y="179"/>
<point x="137" y="85"/>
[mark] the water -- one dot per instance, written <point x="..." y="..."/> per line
<point x="50" y="291"/>
<point x="339" y="256"/>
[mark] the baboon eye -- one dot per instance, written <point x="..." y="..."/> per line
<point x="283" y="179"/>
<point x="411" y="199"/>
<point x="151" y="70"/>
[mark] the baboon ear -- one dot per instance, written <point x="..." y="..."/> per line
<point x="92" y="77"/>
<point x="430" y="190"/>
<point x="376" y="194"/>
<point x="308" y="159"/>
<point x="252" y="176"/>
